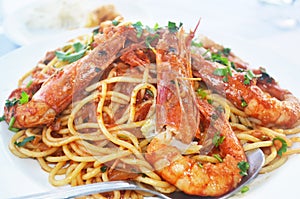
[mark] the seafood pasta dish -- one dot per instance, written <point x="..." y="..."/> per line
<point x="158" y="105"/>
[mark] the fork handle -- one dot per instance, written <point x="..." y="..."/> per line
<point x="88" y="189"/>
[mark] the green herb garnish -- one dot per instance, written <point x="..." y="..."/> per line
<point x="199" y="164"/>
<point x="79" y="49"/>
<point x="243" y="103"/>
<point x="103" y="169"/>
<point x="149" y="39"/>
<point x="226" y="51"/>
<point x="243" y="166"/>
<point x="201" y="92"/>
<point x="10" y="103"/>
<point x="25" y="140"/>
<point x="115" y="22"/>
<point x="11" y="123"/>
<point x="24" y="98"/>
<point x="139" y="28"/>
<point x="29" y="83"/>
<point x="173" y="27"/>
<point x="218" y="157"/>
<point x="216" y="57"/>
<point x="244" y="189"/>
<point x="283" y="147"/>
<point x="248" y="77"/>
<point x="218" y="139"/>
<point x="224" y="72"/>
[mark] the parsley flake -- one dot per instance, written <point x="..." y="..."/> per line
<point x="243" y="103"/>
<point x="139" y="28"/>
<point x="201" y="92"/>
<point x="10" y="103"/>
<point x="173" y="27"/>
<point x="24" y="98"/>
<point x="25" y="140"/>
<point x="79" y="49"/>
<point x="225" y="72"/>
<point x="218" y="157"/>
<point x="218" y="139"/>
<point x="248" y="77"/>
<point x="243" y="166"/>
<point x="11" y="123"/>
<point x="244" y="189"/>
<point x="103" y="169"/>
<point x="283" y="147"/>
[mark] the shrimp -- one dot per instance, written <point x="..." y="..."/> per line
<point x="176" y="108"/>
<point x="251" y="98"/>
<point x="192" y="177"/>
<point x="186" y="173"/>
<point x="57" y="92"/>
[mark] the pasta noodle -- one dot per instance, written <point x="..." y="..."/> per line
<point x="101" y="136"/>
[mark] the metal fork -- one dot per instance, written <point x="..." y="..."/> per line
<point x="255" y="159"/>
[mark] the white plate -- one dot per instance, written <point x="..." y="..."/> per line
<point x="22" y="176"/>
<point x="17" y="28"/>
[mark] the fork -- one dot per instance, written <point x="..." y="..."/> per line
<point x="255" y="159"/>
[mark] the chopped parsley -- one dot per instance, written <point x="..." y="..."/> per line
<point x="10" y="103"/>
<point x="244" y="189"/>
<point x="243" y="103"/>
<point x="224" y="72"/>
<point x="149" y="39"/>
<point x="199" y="164"/>
<point x="115" y="22"/>
<point x="226" y="51"/>
<point x="201" y="92"/>
<point x="24" y="98"/>
<point x="25" y="140"/>
<point x="29" y="83"/>
<point x="243" y="166"/>
<point x="283" y="147"/>
<point x="79" y="49"/>
<point x="248" y="77"/>
<point x="11" y="123"/>
<point x="218" y="139"/>
<point x="217" y="57"/>
<point x="139" y="28"/>
<point x="172" y="27"/>
<point x="103" y="169"/>
<point x="218" y="157"/>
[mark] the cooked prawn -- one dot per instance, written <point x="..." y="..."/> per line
<point x="56" y="93"/>
<point x="183" y="171"/>
<point x="269" y="110"/>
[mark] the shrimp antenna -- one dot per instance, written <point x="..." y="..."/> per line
<point x="192" y="33"/>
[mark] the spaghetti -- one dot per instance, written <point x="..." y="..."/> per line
<point x="103" y="134"/>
